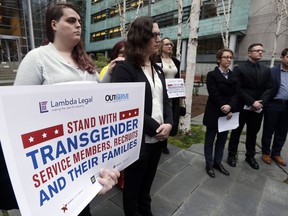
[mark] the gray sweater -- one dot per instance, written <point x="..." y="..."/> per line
<point x="45" y="66"/>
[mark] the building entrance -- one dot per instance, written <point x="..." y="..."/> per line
<point x="10" y="50"/>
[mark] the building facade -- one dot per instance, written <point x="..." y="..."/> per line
<point x="250" y="21"/>
<point x="22" y="26"/>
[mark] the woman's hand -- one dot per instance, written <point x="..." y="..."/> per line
<point x="226" y="108"/>
<point x="229" y="115"/>
<point x="108" y="178"/>
<point x="163" y="131"/>
<point x="112" y="64"/>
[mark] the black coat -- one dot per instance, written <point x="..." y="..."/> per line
<point x="7" y="197"/>
<point x="126" y="72"/>
<point x="253" y="88"/>
<point x="221" y="91"/>
<point x="175" y="101"/>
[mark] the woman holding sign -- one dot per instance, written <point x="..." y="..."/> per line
<point x="63" y="59"/>
<point x="171" y="69"/>
<point x="222" y="101"/>
<point x="143" y="41"/>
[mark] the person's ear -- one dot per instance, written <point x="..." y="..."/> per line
<point x="54" y="25"/>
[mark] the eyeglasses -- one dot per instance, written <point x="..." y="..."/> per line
<point x="227" y="57"/>
<point x="169" y="44"/>
<point x="258" y="50"/>
<point x="156" y="34"/>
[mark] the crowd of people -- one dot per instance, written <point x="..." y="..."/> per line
<point x="254" y="90"/>
<point x="250" y="88"/>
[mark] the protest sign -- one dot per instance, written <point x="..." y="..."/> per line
<point x="55" y="140"/>
<point x="175" y="88"/>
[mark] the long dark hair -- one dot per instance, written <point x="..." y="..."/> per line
<point x="55" y="12"/>
<point x="140" y="32"/>
<point x="116" y="49"/>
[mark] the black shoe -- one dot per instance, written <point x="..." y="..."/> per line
<point x="221" y="168"/>
<point x="165" y="150"/>
<point x="231" y="160"/>
<point x="210" y="172"/>
<point x="252" y="162"/>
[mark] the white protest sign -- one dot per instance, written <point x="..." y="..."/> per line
<point x="56" y="138"/>
<point x="175" y="88"/>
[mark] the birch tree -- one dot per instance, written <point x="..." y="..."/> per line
<point x="180" y="27"/>
<point x="185" y="122"/>
<point x="281" y="16"/>
<point x="122" y="17"/>
<point x="226" y="22"/>
<point x="122" y="9"/>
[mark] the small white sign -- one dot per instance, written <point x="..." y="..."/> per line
<point x="175" y="88"/>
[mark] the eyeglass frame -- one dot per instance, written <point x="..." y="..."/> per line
<point x="169" y="44"/>
<point x="156" y="34"/>
<point x="227" y="57"/>
<point x="258" y="50"/>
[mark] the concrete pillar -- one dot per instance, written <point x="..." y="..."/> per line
<point x="183" y="55"/>
<point x="31" y="30"/>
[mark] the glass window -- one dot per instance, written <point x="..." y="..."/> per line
<point x="209" y="46"/>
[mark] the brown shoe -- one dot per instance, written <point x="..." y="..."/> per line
<point x="267" y="159"/>
<point x="279" y="160"/>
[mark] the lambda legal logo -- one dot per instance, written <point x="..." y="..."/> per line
<point x="43" y="106"/>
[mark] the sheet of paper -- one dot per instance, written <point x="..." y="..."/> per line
<point x="224" y="124"/>
<point x="249" y="108"/>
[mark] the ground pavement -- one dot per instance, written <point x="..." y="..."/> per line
<point x="182" y="187"/>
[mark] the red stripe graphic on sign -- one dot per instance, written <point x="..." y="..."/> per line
<point x="129" y="114"/>
<point x="39" y="136"/>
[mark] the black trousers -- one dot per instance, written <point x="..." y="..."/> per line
<point x="219" y="146"/>
<point x="138" y="178"/>
<point x="275" y="123"/>
<point x="253" y="123"/>
<point x="7" y="196"/>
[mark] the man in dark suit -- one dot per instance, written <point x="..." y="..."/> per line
<point x="255" y="92"/>
<point x="276" y="114"/>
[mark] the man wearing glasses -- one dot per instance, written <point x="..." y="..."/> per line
<point x="255" y="91"/>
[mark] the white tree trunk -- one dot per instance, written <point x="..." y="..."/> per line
<point x="226" y="12"/>
<point x="180" y="27"/>
<point x="140" y="3"/>
<point x="185" y="122"/>
<point x="122" y="17"/>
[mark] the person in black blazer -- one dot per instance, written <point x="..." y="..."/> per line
<point x="276" y="114"/>
<point x="143" y="40"/>
<point x="171" y="69"/>
<point x="222" y="101"/>
<point x="255" y="91"/>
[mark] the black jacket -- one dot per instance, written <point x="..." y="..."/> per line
<point x="7" y="196"/>
<point x="127" y="72"/>
<point x="221" y="91"/>
<point x="253" y="88"/>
